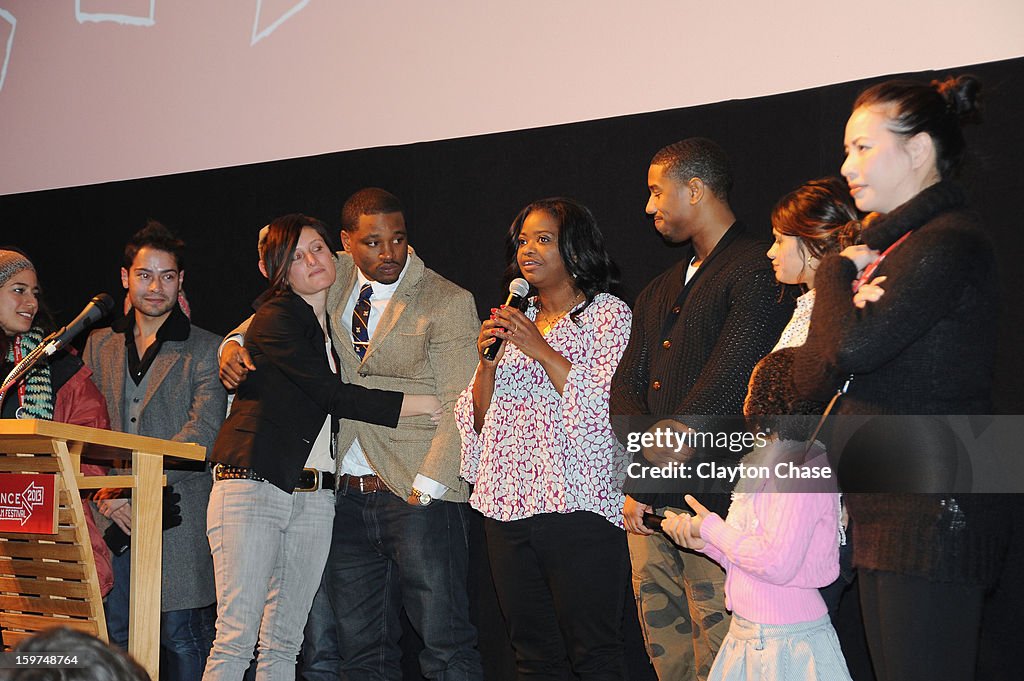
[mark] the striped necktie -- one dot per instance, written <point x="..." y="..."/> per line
<point x="361" y="320"/>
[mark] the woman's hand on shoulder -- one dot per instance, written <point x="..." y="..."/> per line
<point x="869" y="293"/>
<point x="861" y="256"/>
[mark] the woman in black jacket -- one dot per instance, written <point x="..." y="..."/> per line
<point x="911" y="315"/>
<point x="272" y="505"/>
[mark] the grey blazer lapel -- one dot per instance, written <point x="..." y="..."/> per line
<point x="170" y="353"/>
<point x="118" y="371"/>
<point x="396" y="306"/>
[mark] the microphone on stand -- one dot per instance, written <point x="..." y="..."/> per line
<point x="517" y="290"/>
<point x="97" y="308"/>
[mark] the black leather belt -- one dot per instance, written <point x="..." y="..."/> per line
<point x="310" y="479"/>
<point x="364" y="484"/>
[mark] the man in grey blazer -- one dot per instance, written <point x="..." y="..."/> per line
<point x="158" y="374"/>
<point x="400" y="532"/>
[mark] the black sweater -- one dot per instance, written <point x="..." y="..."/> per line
<point x="925" y="347"/>
<point x="692" y="348"/>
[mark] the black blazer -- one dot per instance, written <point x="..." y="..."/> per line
<point x="280" y="408"/>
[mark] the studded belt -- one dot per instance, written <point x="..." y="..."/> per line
<point x="310" y="479"/>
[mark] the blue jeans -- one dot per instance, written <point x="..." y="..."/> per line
<point x="115" y="606"/>
<point x="385" y="555"/>
<point x="320" y="656"/>
<point x="269" y="549"/>
<point x="185" y="635"/>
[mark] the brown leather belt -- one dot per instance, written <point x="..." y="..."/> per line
<point x="364" y="484"/>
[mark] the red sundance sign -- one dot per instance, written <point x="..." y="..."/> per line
<point x="28" y="503"/>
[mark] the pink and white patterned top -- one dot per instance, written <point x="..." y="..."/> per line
<point x="541" y="452"/>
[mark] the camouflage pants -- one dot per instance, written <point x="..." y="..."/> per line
<point x="680" y="596"/>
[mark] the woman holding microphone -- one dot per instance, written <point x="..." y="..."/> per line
<point x="538" y="445"/>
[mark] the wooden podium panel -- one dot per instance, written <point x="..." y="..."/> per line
<point x="49" y="580"/>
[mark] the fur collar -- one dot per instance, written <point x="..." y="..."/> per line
<point x="938" y="198"/>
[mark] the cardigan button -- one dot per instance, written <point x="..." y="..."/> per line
<point x="676" y="309"/>
<point x="666" y="344"/>
<point x="656" y="385"/>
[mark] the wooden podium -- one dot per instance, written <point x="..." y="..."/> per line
<point x="49" y="580"/>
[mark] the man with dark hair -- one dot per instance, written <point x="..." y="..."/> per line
<point x="158" y="374"/>
<point x="369" y="201"/>
<point x="157" y="237"/>
<point x="696" y="157"/>
<point x="698" y="330"/>
<point x="400" y="531"/>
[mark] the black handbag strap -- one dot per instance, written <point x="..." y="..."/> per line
<point x="840" y="391"/>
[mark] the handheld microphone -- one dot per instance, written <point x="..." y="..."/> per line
<point x="98" y="308"/>
<point x="517" y="290"/>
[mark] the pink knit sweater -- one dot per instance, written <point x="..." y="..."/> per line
<point x="777" y="548"/>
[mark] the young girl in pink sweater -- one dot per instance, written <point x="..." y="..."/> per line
<point x="779" y="543"/>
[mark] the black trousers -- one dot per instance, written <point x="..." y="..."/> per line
<point x="919" y="629"/>
<point x="560" y="580"/>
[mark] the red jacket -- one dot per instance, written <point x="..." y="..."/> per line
<point x="80" y="403"/>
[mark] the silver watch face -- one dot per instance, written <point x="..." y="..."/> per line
<point x="425" y="499"/>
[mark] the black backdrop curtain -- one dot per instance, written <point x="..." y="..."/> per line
<point x="460" y="196"/>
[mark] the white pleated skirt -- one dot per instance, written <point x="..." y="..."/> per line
<point x="780" y="652"/>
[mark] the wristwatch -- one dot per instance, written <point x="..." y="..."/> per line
<point x="423" y="498"/>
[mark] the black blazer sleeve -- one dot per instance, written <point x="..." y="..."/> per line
<point x="280" y="408"/>
<point x="285" y="335"/>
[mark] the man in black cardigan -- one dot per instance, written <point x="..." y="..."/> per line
<point x="698" y="330"/>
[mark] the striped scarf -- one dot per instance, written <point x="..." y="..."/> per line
<point x="38" y="402"/>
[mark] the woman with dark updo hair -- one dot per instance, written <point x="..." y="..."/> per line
<point x="911" y="316"/>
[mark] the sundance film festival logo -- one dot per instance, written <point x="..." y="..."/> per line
<point x="20" y="505"/>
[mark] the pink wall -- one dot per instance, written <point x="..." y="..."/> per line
<point x="86" y="101"/>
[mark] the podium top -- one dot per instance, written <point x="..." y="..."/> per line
<point x="22" y="430"/>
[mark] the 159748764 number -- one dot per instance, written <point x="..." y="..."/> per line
<point x="40" y="661"/>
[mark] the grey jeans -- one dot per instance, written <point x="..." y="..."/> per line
<point x="269" y="551"/>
